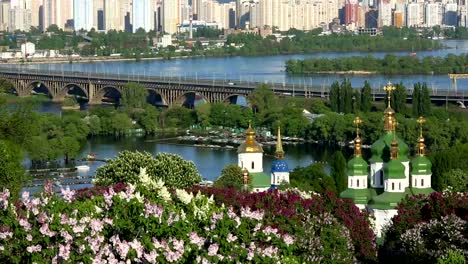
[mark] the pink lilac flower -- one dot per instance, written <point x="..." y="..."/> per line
<point x="195" y="239"/>
<point x="32" y="249"/>
<point x="46" y="231"/>
<point x="107" y="221"/>
<point x="66" y="236"/>
<point x="64" y="251"/>
<point x="270" y="231"/>
<point x="43" y="218"/>
<point x="25" y="197"/>
<point x="230" y="238"/>
<point x="96" y="226"/>
<point x="29" y="237"/>
<point x="79" y="229"/>
<point x="151" y="257"/>
<point x="68" y="194"/>
<point x="205" y="261"/>
<point x="215" y="217"/>
<point x="288" y="239"/>
<point x="173" y="256"/>
<point x="72" y="221"/>
<point x="138" y="247"/>
<point x="153" y="210"/>
<point x="48" y="188"/>
<point x="213" y="249"/>
<point x="4" y="196"/>
<point x="108" y="196"/>
<point x="25" y="224"/>
<point x="247" y="213"/>
<point x="5" y="235"/>
<point x="178" y="244"/>
<point x="270" y="251"/>
<point x="63" y="219"/>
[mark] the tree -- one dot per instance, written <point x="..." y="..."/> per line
<point x="120" y="123"/>
<point x="399" y="99"/>
<point x="366" y="98"/>
<point x="231" y="177"/>
<point x="11" y="171"/>
<point x="346" y="97"/>
<point x="172" y="169"/>
<point x="338" y="171"/>
<point x="312" y="178"/>
<point x="335" y="97"/>
<point x="457" y="179"/>
<point x="425" y="101"/>
<point x="264" y="103"/>
<point x="416" y="99"/>
<point x="134" y="95"/>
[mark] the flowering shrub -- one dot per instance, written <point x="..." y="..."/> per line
<point x="426" y="227"/>
<point x="170" y="168"/>
<point x="129" y="226"/>
<point x="289" y="211"/>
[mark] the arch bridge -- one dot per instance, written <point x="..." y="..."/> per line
<point x="95" y="87"/>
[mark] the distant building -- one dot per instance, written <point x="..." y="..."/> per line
<point x="412" y="14"/>
<point x="434" y="14"/>
<point x="385" y="13"/>
<point x="351" y="12"/>
<point x="20" y="19"/>
<point x="113" y="17"/>
<point x="28" y="49"/>
<point x="165" y="41"/>
<point x="170" y="16"/>
<point x="83" y="14"/>
<point x="450" y="15"/>
<point x="397" y="19"/>
<point x="143" y="15"/>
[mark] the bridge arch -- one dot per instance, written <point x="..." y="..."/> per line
<point x="73" y="89"/>
<point x="107" y="94"/>
<point x="234" y="99"/>
<point x="190" y="99"/>
<point x="39" y="87"/>
<point x="156" y="97"/>
<point x="11" y="86"/>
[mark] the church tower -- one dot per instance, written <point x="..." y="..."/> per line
<point x="357" y="174"/>
<point x="421" y="166"/>
<point x="250" y="153"/>
<point x="279" y="167"/>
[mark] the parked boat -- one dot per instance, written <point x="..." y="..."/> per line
<point x="82" y="168"/>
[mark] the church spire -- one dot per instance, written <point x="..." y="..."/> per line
<point x="390" y="121"/>
<point x="357" y="141"/>
<point x="279" y="154"/>
<point x="420" y="146"/>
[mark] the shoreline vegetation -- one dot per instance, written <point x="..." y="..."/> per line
<point x="388" y="65"/>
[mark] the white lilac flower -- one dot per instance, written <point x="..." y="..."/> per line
<point x="184" y="196"/>
<point x="164" y="194"/>
<point x="138" y="247"/>
<point x="151" y="257"/>
<point x="5" y="235"/>
<point x="4" y="196"/>
<point x="247" y="213"/>
<point x="231" y="238"/>
<point x="64" y="251"/>
<point x="288" y="240"/>
<point x="197" y="240"/>
<point x="29" y="237"/>
<point x="98" y="209"/>
<point x="25" y="224"/>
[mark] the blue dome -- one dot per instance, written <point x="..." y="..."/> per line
<point x="279" y="166"/>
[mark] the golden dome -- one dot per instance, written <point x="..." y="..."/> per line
<point x="250" y="145"/>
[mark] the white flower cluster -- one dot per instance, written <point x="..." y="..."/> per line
<point x="153" y="185"/>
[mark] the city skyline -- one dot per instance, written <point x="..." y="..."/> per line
<point x="169" y="15"/>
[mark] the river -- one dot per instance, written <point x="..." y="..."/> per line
<point x="261" y="69"/>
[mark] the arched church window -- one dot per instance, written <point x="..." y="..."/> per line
<point x="399" y="186"/>
<point x="253" y="165"/>
<point x="422" y="182"/>
<point x="393" y="186"/>
<point x="351" y="183"/>
<point x="242" y="164"/>
<point x="357" y="184"/>
<point x="415" y="182"/>
<point x="381" y="177"/>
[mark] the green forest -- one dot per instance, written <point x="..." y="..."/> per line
<point x="388" y="65"/>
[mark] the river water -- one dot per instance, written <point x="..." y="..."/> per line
<point x="261" y="69"/>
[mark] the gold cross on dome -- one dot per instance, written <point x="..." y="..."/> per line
<point x="389" y="88"/>
<point x="357" y="121"/>
<point x="421" y="120"/>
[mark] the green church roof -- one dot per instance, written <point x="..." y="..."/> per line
<point x="421" y="165"/>
<point x="394" y="169"/>
<point x="260" y="180"/>
<point x="381" y="148"/>
<point x="357" y="166"/>
<point x="425" y="191"/>
<point x="388" y="200"/>
<point x="359" y="196"/>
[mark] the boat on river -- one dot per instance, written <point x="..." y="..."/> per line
<point x="82" y="168"/>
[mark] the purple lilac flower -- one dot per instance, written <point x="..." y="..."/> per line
<point x="213" y="249"/>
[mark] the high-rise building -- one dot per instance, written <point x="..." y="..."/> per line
<point x="64" y="13"/>
<point x="4" y="16"/>
<point x="215" y="12"/>
<point x="434" y="14"/>
<point x="450" y="15"/>
<point x="49" y="11"/>
<point x="36" y="6"/>
<point x="170" y="16"/>
<point x="412" y="14"/>
<point x="113" y="17"/>
<point x="385" y="13"/>
<point x="351" y="12"/>
<point x="143" y="15"/>
<point x="83" y="14"/>
<point x="463" y="10"/>
<point x="397" y="19"/>
<point x="20" y="19"/>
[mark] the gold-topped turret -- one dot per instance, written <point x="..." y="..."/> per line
<point x="394" y="150"/>
<point x="279" y="153"/>
<point x="357" y="141"/>
<point x="420" y="146"/>
<point x="250" y="145"/>
<point x="390" y="121"/>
